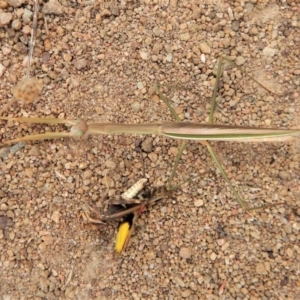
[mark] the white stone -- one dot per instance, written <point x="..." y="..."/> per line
<point x="213" y="256"/>
<point x="270" y="52"/>
<point x="198" y="203"/>
<point x="204" y="48"/>
<point x="144" y="55"/>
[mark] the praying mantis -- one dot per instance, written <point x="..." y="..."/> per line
<point x="176" y="130"/>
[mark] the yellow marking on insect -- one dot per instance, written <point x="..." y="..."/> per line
<point x="122" y="235"/>
<point x="135" y="189"/>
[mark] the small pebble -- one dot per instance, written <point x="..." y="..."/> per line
<point x="284" y="175"/>
<point x="260" y="269"/>
<point x="178" y="281"/>
<point x="157" y="31"/>
<point x="140" y="85"/>
<point x="152" y="156"/>
<point x="17" y="147"/>
<point x="48" y="240"/>
<point x="213" y="256"/>
<point x="110" y="164"/>
<point x="144" y="55"/>
<point x="87" y="174"/>
<point x="240" y="60"/>
<point x="249" y="7"/>
<point x="269" y="52"/>
<point x="235" y="25"/>
<point x="55" y="217"/>
<point x="204" y="48"/>
<point x="29" y="172"/>
<point x="186" y="294"/>
<point x="27" y="16"/>
<point x="80" y="63"/>
<point x="184" y="36"/>
<point x="115" y="11"/>
<point x="16" y="3"/>
<point x="196" y="12"/>
<point x="185" y="253"/>
<point x="3" y="4"/>
<point x="12" y="235"/>
<point x="16" y="24"/>
<point x="5" y="18"/>
<point x="136" y="106"/>
<point x="5" y="222"/>
<point x="173" y="151"/>
<point x="268" y="122"/>
<point x="53" y="7"/>
<point x="199" y="203"/>
<point x="169" y="57"/>
<point x="147" y="145"/>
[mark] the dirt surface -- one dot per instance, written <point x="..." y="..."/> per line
<point x="99" y="61"/>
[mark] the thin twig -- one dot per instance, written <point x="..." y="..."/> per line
<point x="33" y="35"/>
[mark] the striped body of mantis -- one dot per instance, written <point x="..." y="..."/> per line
<point x="200" y="132"/>
<point x="176" y="130"/>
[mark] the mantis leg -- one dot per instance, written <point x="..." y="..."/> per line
<point x="209" y="148"/>
<point x="220" y="64"/>
<point x="183" y="143"/>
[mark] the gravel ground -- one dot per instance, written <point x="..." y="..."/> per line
<point x="99" y="60"/>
